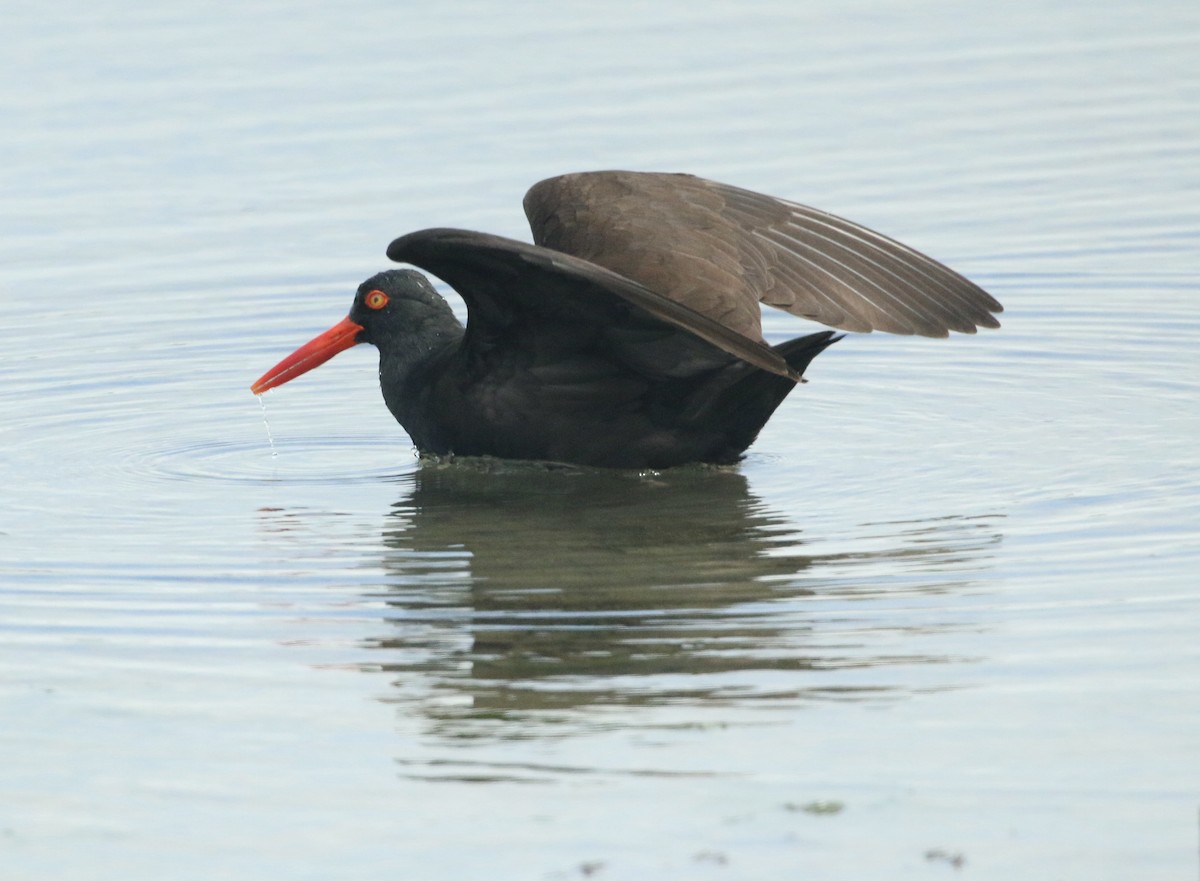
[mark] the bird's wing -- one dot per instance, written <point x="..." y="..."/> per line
<point x="543" y="304"/>
<point x="722" y="250"/>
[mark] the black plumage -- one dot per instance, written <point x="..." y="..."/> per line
<point x="629" y="335"/>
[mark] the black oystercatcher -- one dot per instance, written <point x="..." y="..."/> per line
<point x="629" y="335"/>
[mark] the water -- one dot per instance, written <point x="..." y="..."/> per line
<point x="940" y="622"/>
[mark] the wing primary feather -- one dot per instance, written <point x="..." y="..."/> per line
<point x="880" y="308"/>
<point x="935" y="272"/>
<point x="897" y="273"/>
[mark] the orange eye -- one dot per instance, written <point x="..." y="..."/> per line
<point x="376" y="299"/>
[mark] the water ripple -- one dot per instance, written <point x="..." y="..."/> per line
<point x="317" y="459"/>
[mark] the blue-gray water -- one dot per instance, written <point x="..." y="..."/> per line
<point x="942" y="622"/>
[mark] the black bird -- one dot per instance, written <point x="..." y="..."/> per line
<point x="629" y="335"/>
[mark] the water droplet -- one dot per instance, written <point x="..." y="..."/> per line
<point x="270" y="438"/>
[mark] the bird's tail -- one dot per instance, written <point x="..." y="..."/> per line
<point x="748" y="395"/>
<point x="799" y="352"/>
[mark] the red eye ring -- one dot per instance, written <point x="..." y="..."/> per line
<point x="376" y="299"/>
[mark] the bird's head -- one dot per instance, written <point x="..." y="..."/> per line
<point x="390" y="309"/>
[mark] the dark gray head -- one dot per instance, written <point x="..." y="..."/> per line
<point x="400" y="308"/>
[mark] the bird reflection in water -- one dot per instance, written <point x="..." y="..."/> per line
<point x="523" y="595"/>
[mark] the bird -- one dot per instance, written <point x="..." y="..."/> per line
<point x="629" y="333"/>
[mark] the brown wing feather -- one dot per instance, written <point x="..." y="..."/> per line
<point x="722" y="250"/>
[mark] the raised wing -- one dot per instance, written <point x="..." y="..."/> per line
<point x="721" y="250"/>
<point x="542" y="304"/>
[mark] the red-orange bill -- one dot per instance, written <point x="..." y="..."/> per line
<point x="312" y="354"/>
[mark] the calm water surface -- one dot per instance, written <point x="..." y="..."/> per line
<point x="940" y="623"/>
